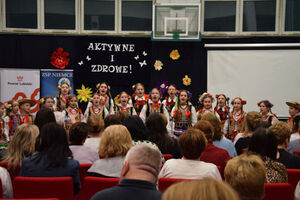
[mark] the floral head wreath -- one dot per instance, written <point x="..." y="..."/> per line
<point x="204" y="95"/>
<point x="117" y="99"/>
<point x="64" y="81"/>
<point x="243" y="101"/>
<point x="7" y="105"/>
<point x="189" y="95"/>
<point x="42" y="100"/>
<point x="266" y="102"/>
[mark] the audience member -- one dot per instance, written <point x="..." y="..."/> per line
<point x="211" y="153"/>
<point x="282" y="132"/>
<point x="219" y="140"/>
<point x="77" y="136"/>
<point x="139" y="132"/>
<point x="115" y="143"/>
<point x="205" y="189"/>
<point x="263" y="143"/>
<point x="192" y="144"/>
<point x="246" y="174"/>
<point x="53" y="158"/>
<point x="22" y="144"/>
<point x="253" y="119"/>
<point x="138" y="176"/>
<point x="159" y="135"/>
<point x="111" y="119"/>
<point x="122" y="115"/>
<point x="44" y="116"/>
<point x="6" y="184"/>
<point x="95" y="128"/>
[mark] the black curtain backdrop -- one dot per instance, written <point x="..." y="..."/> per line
<point x="125" y="60"/>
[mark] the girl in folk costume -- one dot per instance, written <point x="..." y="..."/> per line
<point x="122" y="104"/>
<point x="64" y="89"/>
<point x="103" y="89"/>
<point x="47" y="102"/>
<point x="154" y="105"/>
<point x="139" y="98"/>
<point x="266" y="113"/>
<point x="183" y="114"/>
<point x="206" y="101"/>
<point x="294" y="110"/>
<point x="169" y="101"/>
<point x="236" y="118"/>
<point x="96" y="109"/>
<point x="4" y="138"/>
<point x="12" y="119"/>
<point x="72" y="113"/>
<point x="221" y="108"/>
<point x="25" y="105"/>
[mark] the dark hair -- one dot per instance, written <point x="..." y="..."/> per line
<point x="111" y="120"/>
<point x="263" y="142"/>
<point x="158" y="131"/>
<point x="136" y="127"/>
<point x="44" y="116"/>
<point x="296" y="122"/>
<point x="78" y="133"/>
<point x="192" y="143"/>
<point x="53" y="145"/>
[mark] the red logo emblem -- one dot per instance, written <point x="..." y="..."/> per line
<point x="20" y="78"/>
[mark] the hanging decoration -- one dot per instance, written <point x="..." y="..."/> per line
<point x="162" y="86"/>
<point x="59" y="58"/>
<point x="186" y="80"/>
<point x="174" y="54"/>
<point x="158" y="65"/>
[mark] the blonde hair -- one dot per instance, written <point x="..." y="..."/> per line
<point x="215" y="122"/>
<point x="22" y="144"/>
<point x="253" y="119"/>
<point x="205" y="189"/>
<point x="95" y="125"/>
<point x="115" y="141"/>
<point x="282" y="131"/>
<point x="246" y="174"/>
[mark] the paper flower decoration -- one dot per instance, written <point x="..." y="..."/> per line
<point x="158" y="65"/>
<point x="186" y="80"/>
<point x="59" y="58"/>
<point x="84" y="93"/>
<point x="174" y="54"/>
<point x="162" y="86"/>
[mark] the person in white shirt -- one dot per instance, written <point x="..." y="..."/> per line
<point x="192" y="143"/>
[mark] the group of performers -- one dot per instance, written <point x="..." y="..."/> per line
<point x="177" y="108"/>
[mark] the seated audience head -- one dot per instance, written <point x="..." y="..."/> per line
<point x="156" y="127"/>
<point x="95" y="126"/>
<point x="282" y="131"/>
<point x="78" y="133"/>
<point x="122" y="115"/>
<point x="253" y="119"/>
<point x="215" y="122"/>
<point x="115" y="141"/>
<point x="22" y="144"/>
<point x="206" y="128"/>
<point x="136" y="127"/>
<point x="47" y="102"/>
<point x="204" y="189"/>
<point x="192" y="143"/>
<point x="53" y="145"/>
<point x="44" y="116"/>
<point x="111" y="120"/>
<point x="263" y="142"/>
<point x="246" y="174"/>
<point x="142" y="162"/>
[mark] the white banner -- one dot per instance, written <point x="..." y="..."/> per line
<point x="20" y="83"/>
